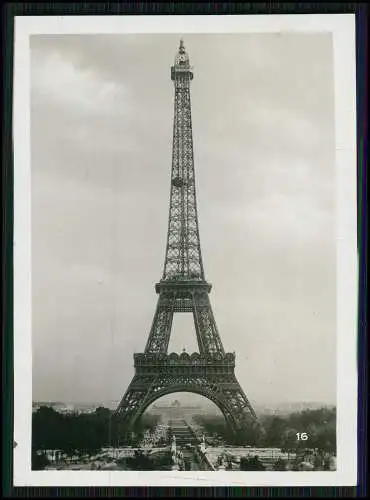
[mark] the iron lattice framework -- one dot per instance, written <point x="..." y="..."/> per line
<point x="183" y="289"/>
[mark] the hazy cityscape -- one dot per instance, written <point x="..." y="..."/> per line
<point x="187" y="436"/>
<point x="203" y="405"/>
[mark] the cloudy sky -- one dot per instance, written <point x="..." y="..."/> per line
<point x="101" y="129"/>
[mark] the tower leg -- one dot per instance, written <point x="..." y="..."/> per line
<point x="210" y="341"/>
<point x="160" y="331"/>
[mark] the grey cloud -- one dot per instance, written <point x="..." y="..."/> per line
<point x="264" y="147"/>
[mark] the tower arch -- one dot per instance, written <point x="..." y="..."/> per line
<point x="213" y="397"/>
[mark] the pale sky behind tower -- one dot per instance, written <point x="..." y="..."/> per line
<point x="101" y="133"/>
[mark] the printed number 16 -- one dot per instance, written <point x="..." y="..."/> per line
<point x="302" y="436"/>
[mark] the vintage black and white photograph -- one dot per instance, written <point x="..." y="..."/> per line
<point x="185" y="278"/>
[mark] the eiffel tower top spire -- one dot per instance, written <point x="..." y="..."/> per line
<point x="183" y="261"/>
<point x="182" y="57"/>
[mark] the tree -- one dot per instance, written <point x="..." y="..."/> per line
<point x="253" y="463"/>
<point x="326" y="438"/>
<point x="280" y="464"/>
<point x="46" y="426"/>
<point x="289" y="442"/>
<point x="320" y="426"/>
<point x="71" y="433"/>
<point x="275" y="429"/>
<point x="140" y="462"/>
<point x="38" y="460"/>
<point x="317" y="462"/>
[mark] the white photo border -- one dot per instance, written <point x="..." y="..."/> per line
<point x="342" y="27"/>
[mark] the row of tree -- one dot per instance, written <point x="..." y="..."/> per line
<point x="85" y="432"/>
<point x="140" y="461"/>
<point x="319" y="463"/>
<point x="254" y="463"/>
<point x="314" y="429"/>
<point x="88" y="433"/>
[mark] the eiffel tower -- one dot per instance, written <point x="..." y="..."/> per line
<point x="184" y="289"/>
